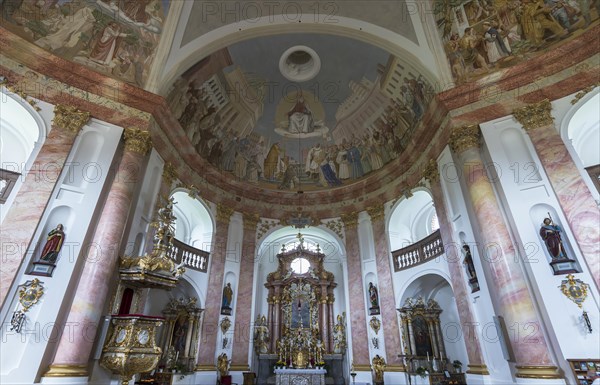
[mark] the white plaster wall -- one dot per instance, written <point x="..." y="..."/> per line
<point x="525" y="189"/>
<point x="74" y="203"/>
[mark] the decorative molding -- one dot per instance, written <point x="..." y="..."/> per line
<point x="407" y="192"/>
<point x="545" y="372"/>
<point x="224" y="213"/>
<point x="17" y="91"/>
<point x="350" y="220"/>
<point x="375" y="324"/>
<point x="431" y="172"/>
<point x="584" y="92"/>
<point x="464" y="137"/>
<point x="225" y="324"/>
<point x="376" y="212"/>
<point x="534" y="115"/>
<point x="480" y="369"/>
<point x="69" y="118"/>
<point x="169" y="173"/>
<point x="335" y="225"/>
<point x="65" y="370"/>
<point x="265" y="225"/>
<point x="137" y="140"/>
<point x="250" y="221"/>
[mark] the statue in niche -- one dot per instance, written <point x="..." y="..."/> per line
<point x="550" y="233"/>
<point x="468" y="262"/>
<point x="378" y="365"/>
<point x="54" y="242"/>
<point x="339" y="334"/>
<point x="227" y="298"/>
<point x="373" y="299"/>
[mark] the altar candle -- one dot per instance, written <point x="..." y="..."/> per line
<point x="427" y="356"/>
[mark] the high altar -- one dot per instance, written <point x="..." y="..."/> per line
<point x="304" y="334"/>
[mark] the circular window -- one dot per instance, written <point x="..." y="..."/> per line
<point x="300" y="265"/>
<point x="299" y="63"/>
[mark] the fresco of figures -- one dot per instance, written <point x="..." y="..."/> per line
<point x="482" y="36"/>
<point x="301" y="138"/>
<point x="114" y="37"/>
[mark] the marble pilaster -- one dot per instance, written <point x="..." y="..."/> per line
<point x="243" y="331"/>
<point x="28" y="207"/>
<point x="212" y="308"/>
<point x="459" y="288"/>
<point x="101" y="260"/>
<point x="532" y="355"/>
<point x="576" y="201"/>
<point x="358" y="320"/>
<point x="387" y="300"/>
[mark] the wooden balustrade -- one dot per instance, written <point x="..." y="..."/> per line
<point x="191" y="257"/>
<point x="420" y="252"/>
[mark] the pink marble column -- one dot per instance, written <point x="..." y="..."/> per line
<point x="358" y="321"/>
<point x="459" y="288"/>
<point x="533" y="359"/>
<point x="574" y="197"/>
<point x="243" y="331"/>
<point x="73" y="351"/>
<point x="387" y="301"/>
<point x="212" y="308"/>
<point x="28" y="207"/>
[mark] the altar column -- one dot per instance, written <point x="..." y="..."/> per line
<point x="243" y="322"/>
<point x="576" y="201"/>
<point x="533" y="358"/>
<point x="387" y="301"/>
<point x="212" y="308"/>
<point x="72" y="354"/>
<point x="476" y="363"/>
<point x="324" y="318"/>
<point x="358" y="320"/>
<point x="31" y="200"/>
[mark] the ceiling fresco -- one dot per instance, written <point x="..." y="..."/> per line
<point x="483" y="36"/>
<point x="300" y="112"/>
<point x="114" y="37"/>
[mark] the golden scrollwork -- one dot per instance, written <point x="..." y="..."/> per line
<point x="534" y="115"/>
<point x="137" y="140"/>
<point x="250" y="221"/>
<point x="335" y="225"/>
<point x="169" y="173"/>
<point x="17" y="91"/>
<point x="464" y="137"/>
<point x="30" y="293"/>
<point x="574" y="289"/>
<point x="431" y="172"/>
<point x="375" y="324"/>
<point x="350" y="220"/>
<point x="69" y="118"/>
<point x="225" y="324"/>
<point x="376" y="212"/>
<point x="224" y="213"/>
<point x="584" y="92"/>
<point x="265" y="225"/>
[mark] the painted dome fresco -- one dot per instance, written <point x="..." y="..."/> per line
<point x="300" y="112"/>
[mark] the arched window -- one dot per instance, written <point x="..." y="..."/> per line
<point x="22" y="132"/>
<point x="193" y="225"/>
<point x="412" y="220"/>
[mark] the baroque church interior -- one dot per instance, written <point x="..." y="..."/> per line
<point x="300" y="192"/>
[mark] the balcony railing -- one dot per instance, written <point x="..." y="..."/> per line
<point x="191" y="257"/>
<point x="7" y="182"/>
<point x="420" y="252"/>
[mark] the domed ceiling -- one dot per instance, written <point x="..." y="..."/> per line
<point x="300" y="112"/>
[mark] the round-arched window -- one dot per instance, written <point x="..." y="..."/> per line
<point x="300" y="265"/>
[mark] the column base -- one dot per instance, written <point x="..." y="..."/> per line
<point x="544" y="372"/>
<point x="362" y="367"/>
<point x="239" y="368"/>
<point x="395" y="368"/>
<point x="66" y="370"/>
<point x="481" y="370"/>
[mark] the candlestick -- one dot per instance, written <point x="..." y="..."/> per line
<point x="427" y="356"/>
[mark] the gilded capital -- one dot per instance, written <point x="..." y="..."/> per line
<point x="224" y="213"/>
<point x="250" y="221"/>
<point x="376" y="212"/>
<point x="431" y="172"/>
<point x="69" y="118"/>
<point x="464" y="137"/>
<point x="137" y="140"/>
<point x="350" y="220"/>
<point x="534" y="115"/>
<point x="169" y="173"/>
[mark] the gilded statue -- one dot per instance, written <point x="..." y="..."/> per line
<point x="339" y="334"/>
<point x="223" y="364"/>
<point x="378" y="365"/>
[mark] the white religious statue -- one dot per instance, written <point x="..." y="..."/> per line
<point x="300" y="117"/>
<point x="261" y="335"/>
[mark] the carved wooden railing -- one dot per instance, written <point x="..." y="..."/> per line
<point x="420" y="252"/>
<point x="191" y="257"/>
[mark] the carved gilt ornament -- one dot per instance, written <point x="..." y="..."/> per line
<point x="69" y="118"/>
<point x="464" y="137"/>
<point x="534" y="115"/>
<point x="137" y="140"/>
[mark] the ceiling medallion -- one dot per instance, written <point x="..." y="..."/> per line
<point x="299" y="63"/>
